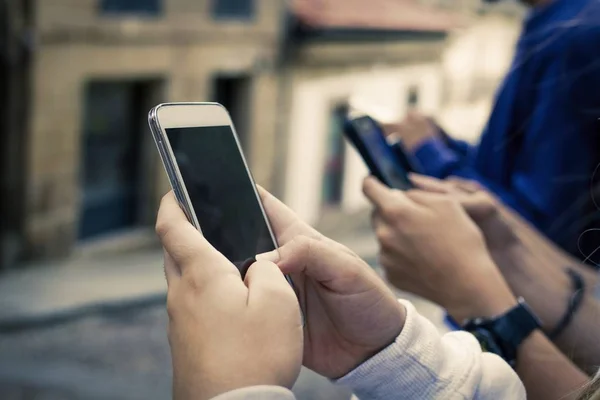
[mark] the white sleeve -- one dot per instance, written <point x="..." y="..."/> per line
<point x="258" y="393"/>
<point x="422" y="364"/>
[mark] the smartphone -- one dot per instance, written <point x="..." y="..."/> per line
<point x="207" y="170"/>
<point x="367" y="136"/>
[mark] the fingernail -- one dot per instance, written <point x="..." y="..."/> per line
<point x="271" y="256"/>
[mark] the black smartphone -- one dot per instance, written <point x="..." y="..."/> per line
<point x="211" y="179"/>
<point x="391" y="166"/>
<point x="408" y="162"/>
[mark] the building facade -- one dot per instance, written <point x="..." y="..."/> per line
<point x="98" y="67"/>
<point x="445" y="58"/>
<point x="89" y="170"/>
<point x="388" y="60"/>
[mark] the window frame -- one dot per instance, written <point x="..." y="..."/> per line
<point x="218" y="15"/>
<point x="156" y="9"/>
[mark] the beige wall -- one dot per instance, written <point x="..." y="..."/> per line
<point x="76" y="46"/>
<point x="384" y="89"/>
<point x="180" y="16"/>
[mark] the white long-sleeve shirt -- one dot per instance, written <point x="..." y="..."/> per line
<point x="420" y="364"/>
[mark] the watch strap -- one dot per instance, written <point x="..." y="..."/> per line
<point x="514" y="327"/>
<point x="502" y="335"/>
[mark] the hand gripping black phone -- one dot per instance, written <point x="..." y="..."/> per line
<point x="388" y="163"/>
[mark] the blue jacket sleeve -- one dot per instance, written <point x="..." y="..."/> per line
<point x="460" y="147"/>
<point x="456" y="158"/>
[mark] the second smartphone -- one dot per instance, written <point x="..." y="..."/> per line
<point x="388" y="163"/>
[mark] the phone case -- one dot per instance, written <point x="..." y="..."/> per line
<point x="354" y="137"/>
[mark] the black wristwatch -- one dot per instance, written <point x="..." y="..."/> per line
<point x="504" y="334"/>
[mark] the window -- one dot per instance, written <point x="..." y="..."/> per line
<point x="413" y="97"/>
<point x="233" y="92"/>
<point x="333" y="176"/>
<point x="233" y="9"/>
<point x="145" y="7"/>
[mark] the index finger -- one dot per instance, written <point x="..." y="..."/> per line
<point x="285" y="223"/>
<point x="383" y="197"/>
<point x="183" y="242"/>
<point x="429" y="184"/>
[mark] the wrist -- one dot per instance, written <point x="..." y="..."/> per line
<point x="483" y="307"/>
<point x="489" y="297"/>
<point x="533" y="278"/>
<point x="363" y="355"/>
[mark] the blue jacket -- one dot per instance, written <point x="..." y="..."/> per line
<point x="541" y="145"/>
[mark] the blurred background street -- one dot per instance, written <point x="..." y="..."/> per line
<point x="81" y="283"/>
<point x="64" y="336"/>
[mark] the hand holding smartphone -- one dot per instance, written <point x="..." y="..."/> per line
<point x="388" y="163"/>
<point x="211" y="180"/>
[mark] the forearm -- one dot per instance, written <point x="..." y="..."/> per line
<point x="538" y="360"/>
<point x="547" y="251"/>
<point x="535" y="269"/>
<point x="546" y="373"/>
<point x="580" y="339"/>
<point x="548" y="290"/>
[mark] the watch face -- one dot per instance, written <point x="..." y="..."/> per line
<point x="482" y="341"/>
<point x="487" y="341"/>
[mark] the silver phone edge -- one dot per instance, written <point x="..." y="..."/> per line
<point x="170" y="167"/>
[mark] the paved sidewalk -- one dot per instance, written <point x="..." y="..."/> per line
<point x="122" y="354"/>
<point x="59" y="290"/>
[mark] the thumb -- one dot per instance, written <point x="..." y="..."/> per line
<point x="264" y="280"/>
<point x="322" y="262"/>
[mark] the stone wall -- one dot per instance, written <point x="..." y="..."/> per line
<point x="183" y="49"/>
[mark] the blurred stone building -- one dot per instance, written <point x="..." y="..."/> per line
<point x="444" y="57"/>
<point x="91" y="176"/>
<point x="91" y="170"/>
<point x="382" y="54"/>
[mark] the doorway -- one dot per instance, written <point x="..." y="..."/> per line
<point x="114" y="156"/>
<point x="335" y="157"/>
<point x="233" y="92"/>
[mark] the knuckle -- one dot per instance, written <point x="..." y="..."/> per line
<point x="443" y="202"/>
<point x="397" y="214"/>
<point x="392" y="210"/>
<point x="304" y="243"/>
<point x="162" y="228"/>
<point x="488" y="199"/>
<point x="382" y="233"/>
<point x="172" y="305"/>
<point x="191" y="283"/>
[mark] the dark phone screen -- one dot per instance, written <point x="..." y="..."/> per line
<point x="381" y="153"/>
<point x="221" y="192"/>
